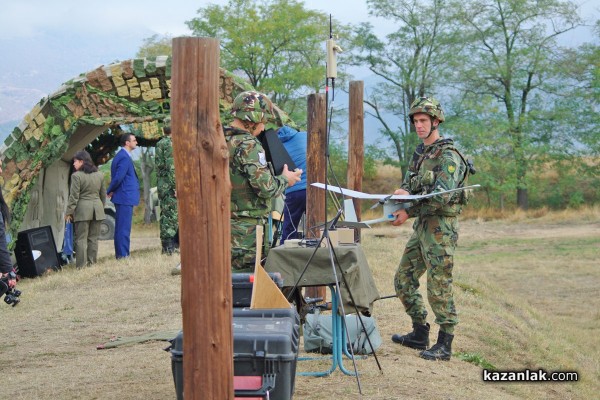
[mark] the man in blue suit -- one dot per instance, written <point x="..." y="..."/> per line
<point x="124" y="192"/>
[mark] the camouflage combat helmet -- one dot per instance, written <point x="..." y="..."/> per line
<point x="252" y="106"/>
<point x="426" y="105"/>
<point x="167" y="125"/>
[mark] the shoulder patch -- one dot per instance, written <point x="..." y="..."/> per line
<point x="451" y="168"/>
<point x="262" y="159"/>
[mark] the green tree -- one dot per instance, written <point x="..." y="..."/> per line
<point x="576" y="114"/>
<point x="156" y="45"/>
<point x="277" y="45"/>
<point x="480" y="126"/>
<point x="409" y="63"/>
<point x="337" y="166"/>
<point x="582" y="102"/>
<point x="509" y="62"/>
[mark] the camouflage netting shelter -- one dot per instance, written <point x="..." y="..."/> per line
<point x="90" y="109"/>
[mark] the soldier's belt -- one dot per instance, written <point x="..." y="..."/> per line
<point x="438" y="214"/>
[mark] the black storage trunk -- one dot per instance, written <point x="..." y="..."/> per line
<point x="265" y="344"/>
<point x="177" y="363"/>
<point x="290" y="313"/>
<point x="242" y="287"/>
<point x="267" y="347"/>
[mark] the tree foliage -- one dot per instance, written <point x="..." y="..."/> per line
<point x="511" y="53"/>
<point x="409" y="63"/>
<point x="156" y="45"/>
<point x="338" y="163"/>
<point x="276" y="44"/>
<point x="511" y="93"/>
<point x="517" y="102"/>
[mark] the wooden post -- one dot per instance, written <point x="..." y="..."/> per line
<point x="203" y="192"/>
<point x="315" y="165"/>
<point x="356" y="144"/>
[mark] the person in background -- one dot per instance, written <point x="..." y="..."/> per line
<point x="85" y="209"/>
<point x="295" y="196"/>
<point x="253" y="186"/>
<point x="124" y="192"/>
<point x="167" y="192"/>
<point x="67" y="248"/>
<point x="6" y="266"/>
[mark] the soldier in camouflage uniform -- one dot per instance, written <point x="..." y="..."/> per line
<point x="436" y="166"/>
<point x="167" y="196"/>
<point x="253" y="185"/>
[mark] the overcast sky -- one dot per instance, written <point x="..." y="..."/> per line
<point x="27" y="17"/>
<point x="114" y="30"/>
<point x="47" y="42"/>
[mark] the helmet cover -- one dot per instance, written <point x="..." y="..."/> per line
<point x="252" y="106"/>
<point x="427" y="105"/>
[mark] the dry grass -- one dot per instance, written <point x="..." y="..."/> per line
<point x="582" y="214"/>
<point x="527" y="293"/>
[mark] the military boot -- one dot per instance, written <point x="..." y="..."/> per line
<point x="176" y="270"/>
<point x="417" y="339"/>
<point x="168" y="247"/>
<point x="442" y="350"/>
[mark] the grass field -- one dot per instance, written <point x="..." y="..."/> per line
<point x="527" y="290"/>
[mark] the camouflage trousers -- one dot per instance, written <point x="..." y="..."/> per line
<point x="430" y="248"/>
<point x="168" y="217"/>
<point x="243" y="244"/>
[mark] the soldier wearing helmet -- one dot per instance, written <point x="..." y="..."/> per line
<point x="428" y="106"/>
<point x="436" y="166"/>
<point x="167" y="191"/>
<point x="253" y="185"/>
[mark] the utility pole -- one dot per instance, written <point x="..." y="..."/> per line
<point x="315" y="165"/>
<point x="356" y="144"/>
<point x="203" y="195"/>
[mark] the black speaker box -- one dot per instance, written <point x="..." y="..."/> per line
<point x="40" y="239"/>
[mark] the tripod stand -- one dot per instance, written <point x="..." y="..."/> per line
<point x="338" y="324"/>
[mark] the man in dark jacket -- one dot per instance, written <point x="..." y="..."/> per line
<point x="124" y="192"/>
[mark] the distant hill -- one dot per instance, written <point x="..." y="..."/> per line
<point x="36" y="66"/>
<point x="6" y="128"/>
<point x="15" y="102"/>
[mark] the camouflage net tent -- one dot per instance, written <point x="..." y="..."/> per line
<point x="90" y="109"/>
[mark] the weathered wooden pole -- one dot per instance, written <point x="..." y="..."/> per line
<point x="203" y="192"/>
<point x="356" y="144"/>
<point x="315" y="165"/>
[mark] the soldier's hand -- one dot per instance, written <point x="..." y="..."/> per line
<point x="291" y="176"/>
<point x="401" y="215"/>
<point x="401" y="192"/>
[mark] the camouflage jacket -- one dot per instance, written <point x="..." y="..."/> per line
<point x="252" y="183"/>
<point x="436" y="167"/>
<point x="165" y="167"/>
